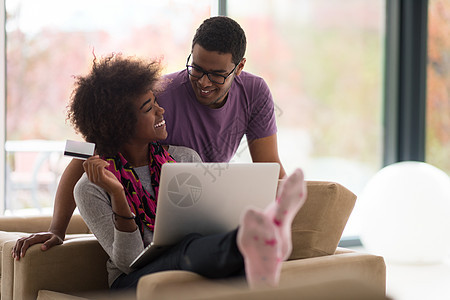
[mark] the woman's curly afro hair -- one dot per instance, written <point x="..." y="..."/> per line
<point x="102" y="106"/>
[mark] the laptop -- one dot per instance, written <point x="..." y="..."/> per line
<point x="206" y="198"/>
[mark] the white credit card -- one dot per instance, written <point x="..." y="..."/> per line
<point x="81" y="150"/>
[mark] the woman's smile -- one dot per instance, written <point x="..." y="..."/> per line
<point x="161" y="123"/>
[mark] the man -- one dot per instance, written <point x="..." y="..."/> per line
<point x="209" y="106"/>
<point x="216" y="102"/>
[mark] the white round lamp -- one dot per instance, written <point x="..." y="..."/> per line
<point x="406" y="213"/>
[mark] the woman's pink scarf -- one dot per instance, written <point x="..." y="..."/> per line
<point x="141" y="202"/>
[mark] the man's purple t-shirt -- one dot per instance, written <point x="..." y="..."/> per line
<point x="216" y="133"/>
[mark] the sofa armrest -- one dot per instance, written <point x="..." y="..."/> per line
<point x="78" y="265"/>
<point x="365" y="274"/>
<point x="349" y="265"/>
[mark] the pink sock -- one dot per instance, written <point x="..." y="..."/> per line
<point x="259" y="243"/>
<point x="291" y="197"/>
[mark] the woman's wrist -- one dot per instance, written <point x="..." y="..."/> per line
<point x="132" y="216"/>
<point x="124" y="222"/>
<point x="117" y="193"/>
<point x="120" y="207"/>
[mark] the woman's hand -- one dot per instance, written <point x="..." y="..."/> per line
<point x="97" y="174"/>
<point x="96" y="171"/>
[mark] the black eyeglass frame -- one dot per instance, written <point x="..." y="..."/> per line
<point x="207" y="73"/>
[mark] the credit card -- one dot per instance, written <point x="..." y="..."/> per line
<point x="81" y="150"/>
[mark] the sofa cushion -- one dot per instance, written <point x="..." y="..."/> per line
<point x="51" y="295"/>
<point x="318" y="226"/>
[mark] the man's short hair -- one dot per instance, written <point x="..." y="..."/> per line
<point x="222" y="34"/>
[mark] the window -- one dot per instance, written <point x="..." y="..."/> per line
<point x="323" y="60"/>
<point x="438" y="86"/>
<point x="50" y="41"/>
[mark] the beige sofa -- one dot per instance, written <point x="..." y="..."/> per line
<point x="316" y="268"/>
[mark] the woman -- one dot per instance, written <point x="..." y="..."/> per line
<point x="115" y="107"/>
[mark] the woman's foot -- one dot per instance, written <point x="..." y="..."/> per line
<point x="291" y="197"/>
<point x="259" y="243"/>
<point x="264" y="237"/>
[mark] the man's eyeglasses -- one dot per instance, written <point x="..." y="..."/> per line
<point x="199" y="73"/>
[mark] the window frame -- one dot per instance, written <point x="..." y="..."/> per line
<point x="405" y="80"/>
<point x="3" y="106"/>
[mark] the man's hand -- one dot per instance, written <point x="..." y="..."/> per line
<point x="48" y="239"/>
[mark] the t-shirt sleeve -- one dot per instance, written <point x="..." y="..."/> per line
<point x="262" y="121"/>
<point x="184" y="154"/>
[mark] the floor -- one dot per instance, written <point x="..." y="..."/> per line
<point x="409" y="282"/>
<point x="414" y="282"/>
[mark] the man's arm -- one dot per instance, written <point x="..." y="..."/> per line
<point x="266" y="150"/>
<point x="64" y="200"/>
<point x="62" y="212"/>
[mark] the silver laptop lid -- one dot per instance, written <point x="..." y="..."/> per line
<point x="209" y="198"/>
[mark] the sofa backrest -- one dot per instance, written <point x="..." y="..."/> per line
<point x="33" y="224"/>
